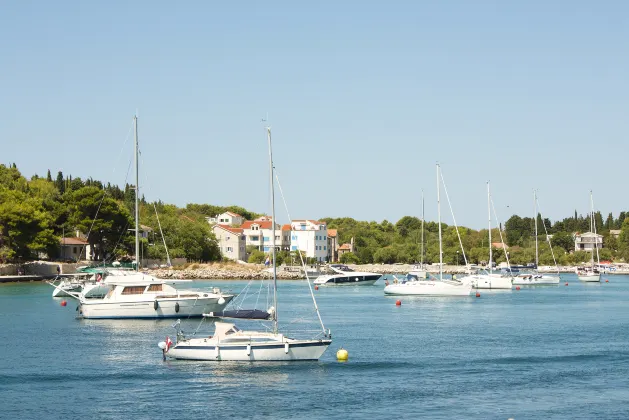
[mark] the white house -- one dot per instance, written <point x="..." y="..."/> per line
<point x="587" y="241"/>
<point x="74" y="249"/>
<point x="311" y="237"/>
<point x="259" y="233"/>
<point x="231" y="241"/>
<point x="228" y="218"/>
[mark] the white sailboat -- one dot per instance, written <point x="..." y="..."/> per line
<point x="489" y="280"/>
<point x="591" y="274"/>
<point x="139" y="295"/>
<point x="535" y="278"/>
<point x="438" y="287"/>
<point x="231" y="343"/>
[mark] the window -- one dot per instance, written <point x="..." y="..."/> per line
<point x="325" y="237"/>
<point x="303" y="226"/>
<point x="74" y="250"/>
<point x="133" y="290"/>
<point x="266" y="239"/>
<point x="277" y="238"/>
<point x="293" y="237"/>
<point x="285" y="238"/>
<point x="242" y="238"/>
<point x="227" y="238"/>
<point x="266" y="249"/>
<point x="325" y="248"/>
<point x="293" y="248"/>
<point x="229" y="249"/>
<point x="255" y="238"/>
<point x="155" y="288"/>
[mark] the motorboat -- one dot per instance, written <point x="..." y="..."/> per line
<point x="345" y="276"/>
<point x="231" y="343"/>
<point x="588" y="274"/>
<point x="140" y="295"/>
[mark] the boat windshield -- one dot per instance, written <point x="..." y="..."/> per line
<point x="342" y="267"/>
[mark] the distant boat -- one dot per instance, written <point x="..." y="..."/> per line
<point x="345" y="276"/>
<point x="592" y="273"/>
<point x="438" y="287"/>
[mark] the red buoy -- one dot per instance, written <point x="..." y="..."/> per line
<point x="477" y="294"/>
<point x="606" y="281"/>
<point x="398" y="303"/>
<point x="517" y="287"/>
<point x="316" y="287"/>
<point x="566" y="283"/>
<point x="64" y="303"/>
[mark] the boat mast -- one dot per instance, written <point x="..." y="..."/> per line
<point x="439" y="221"/>
<point x="137" y="191"/>
<point x="535" y="217"/>
<point x="491" y="266"/>
<point x="598" y="261"/>
<point x="268" y="134"/>
<point x="421" y="258"/>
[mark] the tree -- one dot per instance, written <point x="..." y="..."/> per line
<point x="60" y="182"/>
<point x="48" y="176"/>
<point x="407" y="224"/>
<point x="349" y="258"/>
<point x="563" y="240"/>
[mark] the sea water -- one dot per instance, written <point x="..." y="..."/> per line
<point x="546" y="352"/>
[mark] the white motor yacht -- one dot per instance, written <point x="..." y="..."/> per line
<point x="143" y="296"/>
<point x="429" y="288"/>
<point x="535" y="279"/>
<point x="345" y="276"/>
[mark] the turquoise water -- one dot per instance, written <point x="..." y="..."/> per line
<point x="537" y="353"/>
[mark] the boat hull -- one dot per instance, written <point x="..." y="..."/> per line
<point x="488" y="282"/>
<point x="429" y="288"/>
<point x="590" y="278"/>
<point x="536" y="280"/>
<point x="146" y="309"/>
<point x="212" y="351"/>
<point x="347" y="280"/>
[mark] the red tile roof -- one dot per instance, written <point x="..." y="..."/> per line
<point x="230" y="229"/>
<point x="498" y="245"/>
<point x="345" y="247"/>
<point x="233" y="214"/>
<point x="314" y="222"/>
<point x="262" y="224"/>
<point x="72" y="241"/>
<point x="286" y="227"/>
<point x="332" y="232"/>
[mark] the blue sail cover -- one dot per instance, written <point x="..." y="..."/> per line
<point x="242" y="314"/>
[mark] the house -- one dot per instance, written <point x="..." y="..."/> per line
<point x="259" y="234"/>
<point x="614" y="233"/>
<point x="311" y="237"/>
<point x="74" y="249"/>
<point x="333" y="245"/>
<point x="587" y="241"/>
<point x="231" y="242"/>
<point x="498" y="245"/>
<point x="344" y="249"/>
<point x="227" y="218"/>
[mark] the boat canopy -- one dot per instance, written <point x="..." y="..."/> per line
<point x="242" y="314"/>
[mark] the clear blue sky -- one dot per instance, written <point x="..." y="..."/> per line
<point x="363" y="98"/>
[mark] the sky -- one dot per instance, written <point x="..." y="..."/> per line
<point x="363" y="97"/>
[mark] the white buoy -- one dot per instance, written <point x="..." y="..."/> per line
<point x="162" y="345"/>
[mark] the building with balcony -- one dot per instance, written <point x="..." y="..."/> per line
<point x="587" y="241"/>
<point x="231" y="242"/>
<point x="311" y="237"/>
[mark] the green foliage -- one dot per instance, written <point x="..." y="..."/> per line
<point x="257" y="257"/>
<point x="349" y="258"/>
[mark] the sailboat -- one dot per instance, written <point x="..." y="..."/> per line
<point x="231" y="343"/>
<point x="419" y="271"/>
<point x="139" y="295"/>
<point x="489" y="280"/>
<point x="438" y="287"/>
<point x="535" y="278"/>
<point x="591" y="274"/>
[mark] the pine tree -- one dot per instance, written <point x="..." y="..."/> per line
<point x="48" y="177"/>
<point x="60" y="182"/>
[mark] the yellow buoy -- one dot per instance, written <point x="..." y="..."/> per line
<point x="342" y="355"/>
